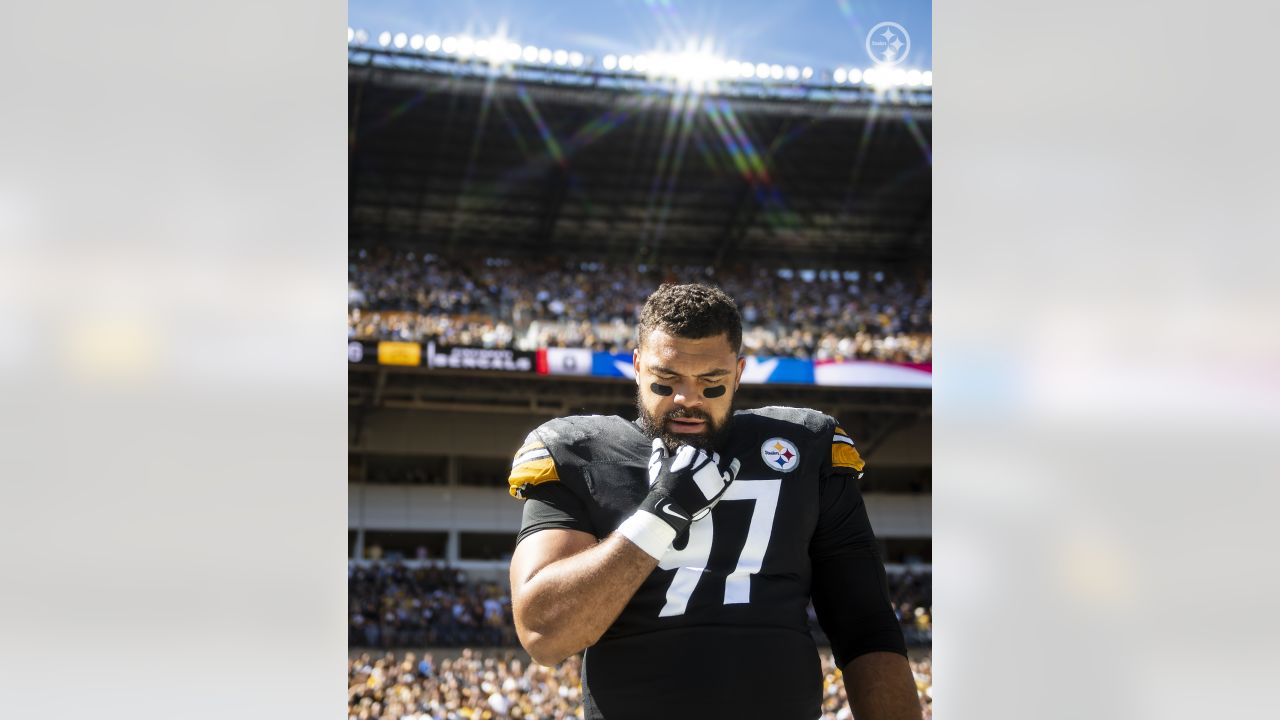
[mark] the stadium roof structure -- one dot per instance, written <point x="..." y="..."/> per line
<point x="533" y="160"/>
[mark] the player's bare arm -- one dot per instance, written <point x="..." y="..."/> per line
<point x="880" y="687"/>
<point x="567" y="589"/>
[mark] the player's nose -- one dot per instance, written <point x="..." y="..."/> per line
<point x="686" y="395"/>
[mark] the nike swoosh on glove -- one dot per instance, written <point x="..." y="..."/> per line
<point x="683" y="488"/>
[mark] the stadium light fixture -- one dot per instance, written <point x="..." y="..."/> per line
<point x="415" y="42"/>
<point x="899" y="77"/>
<point x="881" y="77"/>
<point x="561" y="57"/>
<point x="530" y="53"/>
<point x="576" y="59"/>
<point x="482" y="48"/>
<point x="466" y="46"/>
<point x="762" y="70"/>
<point x="806" y="73"/>
<point x="513" y="51"/>
<point x="793" y="72"/>
<point x="624" y="63"/>
<point x="544" y="56"/>
<point x="384" y="38"/>
<point x="641" y="63"/>
<point x="775" y="72"/>
<point x="855" y="76"/>
<point x="351" y="35"/>
<point x="913" y="78"/>
<point x="400" y="40"/>
<point x="449" y="45"/>
<point x="926" y="77"/>
<point x="747" y="70"/>
<point x="362" y="37"/>
<point x="610" y="62"/>
<point x="695" y="69"/>
<point x="732" y="68"/>
<point x="432" y="43"/>
<point x="839" y="75"/>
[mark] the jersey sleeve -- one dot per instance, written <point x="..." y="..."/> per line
<point x="552" y="506"/>
<point x="850" y="590"/>
<point x="548" y="502"/>
<point x="844" y="455"/>
<point x="843" y="525"/>
<point x="532" y="466"/>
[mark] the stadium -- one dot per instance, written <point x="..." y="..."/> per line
<point x="509" y="210"/>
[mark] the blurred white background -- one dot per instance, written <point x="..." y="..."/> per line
<point x="1107" y="380"/>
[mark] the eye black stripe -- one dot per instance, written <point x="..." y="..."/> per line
<point x="659" y="389"/>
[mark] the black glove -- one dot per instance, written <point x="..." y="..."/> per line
<point x="685" y="487"/>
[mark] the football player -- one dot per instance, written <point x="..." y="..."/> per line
<point x="682" y="549"/>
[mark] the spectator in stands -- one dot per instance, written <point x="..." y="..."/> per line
<point x="478" y="686"/>
<point x="500" y="303"/>
<point x="392" y="604"/>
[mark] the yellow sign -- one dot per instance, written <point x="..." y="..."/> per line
<point x="399" y="353"/>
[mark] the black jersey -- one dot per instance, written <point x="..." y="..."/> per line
<point x="720" y="628"/>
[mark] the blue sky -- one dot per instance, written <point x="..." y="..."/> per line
<point x="824" y="34"/>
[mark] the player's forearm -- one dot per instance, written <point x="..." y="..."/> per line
<point x="880" y="687"/>
<point x="568" y="604"/>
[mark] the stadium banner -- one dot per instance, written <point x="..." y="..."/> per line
<point x="564" y="361"/>
<point x="581" y="361"/>
<point x="605" y="364"/>
<point x="408" y="354"/>
<point x="869" y="373"/>
<point x="473" y="358"/>
<point x="362" y="352"/>
<point x="760" y="370"/>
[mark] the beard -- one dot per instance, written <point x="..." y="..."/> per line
<point x="710" y="439"/>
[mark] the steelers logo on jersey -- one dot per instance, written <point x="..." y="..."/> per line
<point x="780" y="454"/>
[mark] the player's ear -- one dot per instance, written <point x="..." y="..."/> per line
<point x="635" y="363"/>
<point x="742" y="365"/>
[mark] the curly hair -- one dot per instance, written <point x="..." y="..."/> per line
<point x="691" y="311"/>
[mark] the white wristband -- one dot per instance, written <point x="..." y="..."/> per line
<point x="649" y="533"/>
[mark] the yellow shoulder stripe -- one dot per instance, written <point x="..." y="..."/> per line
<point x="840" y="431"/>
<point x="533" y="472"/>
<point x="535" y="445"/>
<point x="844" y="455"/>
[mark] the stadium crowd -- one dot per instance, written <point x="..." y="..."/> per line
<point x="391" y="604"/>
<point x="477" y="686"/>
<point x="470" y="685"/>
<point x="394" y="604"/>
<point x="525" y="305"/>
<point x="912" y="594"/>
